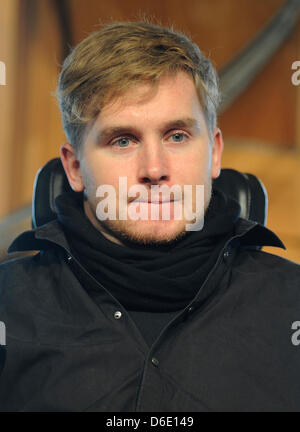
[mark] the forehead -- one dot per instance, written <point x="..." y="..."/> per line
<point x="174" y="95"/>
<point x="145" y="108"/>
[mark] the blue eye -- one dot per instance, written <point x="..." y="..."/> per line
<point x="178" y="137"/>
<point x="122" y="141"/>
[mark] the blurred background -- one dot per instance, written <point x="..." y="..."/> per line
<point x="252" y="43"/>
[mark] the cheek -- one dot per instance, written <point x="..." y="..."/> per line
<point x="95" y="171"/>
<point x="101" y="175"/>
<point x="194" y="169"/>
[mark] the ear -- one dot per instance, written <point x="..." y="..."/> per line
<point x="71" y="166"/>
<point x="217" y="150"/>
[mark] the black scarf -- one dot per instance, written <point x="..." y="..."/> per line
<point x="154" y="279"/>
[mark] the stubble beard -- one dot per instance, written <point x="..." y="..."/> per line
<point x="140" y="233"/>
<point x="145" y="233"/>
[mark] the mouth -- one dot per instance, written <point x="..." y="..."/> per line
<point x="155" y="201"/>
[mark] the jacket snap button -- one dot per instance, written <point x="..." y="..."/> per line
<point x="154" y="361"/>
<point x="226" y="254"/>
<point x="118" y="314"/>
<point x="190" y="309"/>
<point x="69" y="258"/>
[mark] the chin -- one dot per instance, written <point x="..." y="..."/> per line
<point x="146" y="232"/>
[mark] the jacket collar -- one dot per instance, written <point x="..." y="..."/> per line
<point x="248" y="233"/>
<point x="40" y="238"/>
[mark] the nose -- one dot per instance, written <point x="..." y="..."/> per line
<point x="153" y="167"/>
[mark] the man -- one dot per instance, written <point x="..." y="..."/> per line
<point x="143" y="314"/>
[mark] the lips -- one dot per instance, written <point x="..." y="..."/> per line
<point x="155" y="201"/>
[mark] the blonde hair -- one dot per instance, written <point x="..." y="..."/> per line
<point x="120" y="55"/>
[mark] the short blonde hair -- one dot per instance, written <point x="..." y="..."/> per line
<point x="120" y="55"/>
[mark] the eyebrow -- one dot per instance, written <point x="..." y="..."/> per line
<point x="108" y="132"/>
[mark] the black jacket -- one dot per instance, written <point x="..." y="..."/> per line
<point x="231" y="349"/>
